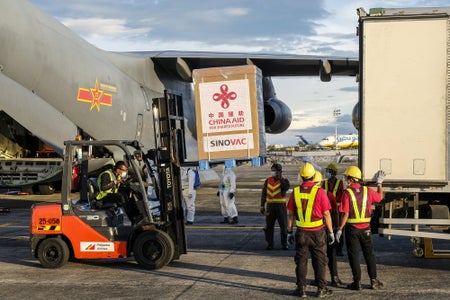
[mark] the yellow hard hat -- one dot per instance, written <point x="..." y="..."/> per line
<point x="317" y="177"/>
<point x="353" y="171"/>
<point x="307" y="170"/>
<point x="332" y="167"/>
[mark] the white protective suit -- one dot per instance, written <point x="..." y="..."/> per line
<point x="227" y="186"/>
<point x="189" y="193"/>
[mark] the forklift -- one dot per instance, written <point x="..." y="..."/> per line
<point x="77" y="229"/>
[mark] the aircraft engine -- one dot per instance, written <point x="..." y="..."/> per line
<point x="277" y="116"/>
<point x="355" y="116"/>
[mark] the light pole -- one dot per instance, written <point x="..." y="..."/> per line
<point x="336" y="113"/>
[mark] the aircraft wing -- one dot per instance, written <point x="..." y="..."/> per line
<point x="270" y="64"/>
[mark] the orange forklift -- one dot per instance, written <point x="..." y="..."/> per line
<point x="75" y="228"/>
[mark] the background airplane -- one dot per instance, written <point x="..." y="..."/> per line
<point x="54" y="85"/>
<point x="343" y="141"/>
<point x="302" y="139"/>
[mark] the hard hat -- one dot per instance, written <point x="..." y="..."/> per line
<point x="307" y="170"/>
<point x="353" y="171"/>
<point x="332" y="167"/>
<point x="317" y="177"/>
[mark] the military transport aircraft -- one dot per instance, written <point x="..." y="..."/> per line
<point x="54" y="85"/>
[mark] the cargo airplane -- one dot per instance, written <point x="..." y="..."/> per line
<point x="54" y="85"/>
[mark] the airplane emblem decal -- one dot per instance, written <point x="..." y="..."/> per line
<point x="224" y="96"/>
<point x="95" y="96"/>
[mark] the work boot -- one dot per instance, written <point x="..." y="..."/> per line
<point x="225" y="221"/>
<point x="356" y="286"/>
<point x="375" y="284"/>
<point x="336" y="281"/>
<point x="234" y="220"/>
<point x="300" y="292"/>
<point x="322" y="293"/>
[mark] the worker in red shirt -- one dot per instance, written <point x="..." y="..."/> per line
<point x="309" y="210"/>
<point x="334" y="187"/>
<point x="356" y="209"/>
<point x="331" y="249"/>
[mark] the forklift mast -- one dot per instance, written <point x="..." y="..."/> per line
<point x="170" y="153"/>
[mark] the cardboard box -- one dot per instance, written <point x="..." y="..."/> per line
<point x="229" y="112"/>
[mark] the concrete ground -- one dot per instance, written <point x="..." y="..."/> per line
<point x="223" y="261"/>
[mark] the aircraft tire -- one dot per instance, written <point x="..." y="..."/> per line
<point x="53" y="253"/>
<point x="153" y="249"/>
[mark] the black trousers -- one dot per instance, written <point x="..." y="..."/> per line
<point x="332" y="261"/>
<point x="276" y="212"/>
<point x="356" y="238"/>
<point x="314" y="244"/>
<point x="112" y="198"/>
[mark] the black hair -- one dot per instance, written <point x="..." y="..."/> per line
<point x="277" y="167"/>
<point x="119" y="164"/>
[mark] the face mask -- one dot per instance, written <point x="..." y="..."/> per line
<point x="345" y="184"/>
<point x="123" y="175"/>
<point x="273" y="174"/>
<point x="327" y="175"/>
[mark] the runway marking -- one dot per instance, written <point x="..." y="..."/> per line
<point x="223" y="227"/>
<point x="11" y="225"/>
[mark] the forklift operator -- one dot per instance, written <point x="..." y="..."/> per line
<point x="108" y="185"/>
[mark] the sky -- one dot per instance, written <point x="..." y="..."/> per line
<point x="305" y="27"/>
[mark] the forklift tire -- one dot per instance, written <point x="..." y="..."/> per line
<point x="53" y="253"/>
<point x="153" y="249"/>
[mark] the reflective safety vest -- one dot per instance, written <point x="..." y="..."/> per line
<point x="273" y="194"/>
<point x="359" y="216"/>
<point x="304" y="220"/>
<point x="335" y="188"/>
<point x="114" y="189"/>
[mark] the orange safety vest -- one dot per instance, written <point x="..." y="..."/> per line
<point x="359" y="215"/>
<point x="273" y="191"/>
<point x="305" y="219"/>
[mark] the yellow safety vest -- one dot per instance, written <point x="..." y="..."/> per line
<point x="359" y="217"/>
<point x="304" y="221"/>
<point x="273" y="194"/>
<point x="114" y="189"/>
<point x="335" y="188"/>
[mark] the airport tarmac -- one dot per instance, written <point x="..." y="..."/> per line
<point x="223" y="261"/>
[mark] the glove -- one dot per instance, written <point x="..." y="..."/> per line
<point x="338" y="235"/>
<point x="190" y="196"/>
<point x="262" y="210"/>
<point x="231" y="195"/>
<point x="330" y="238"/>
<point x="290" y="238"/>
<point x="379" y="176"/>
<point x="218" y="194"/>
